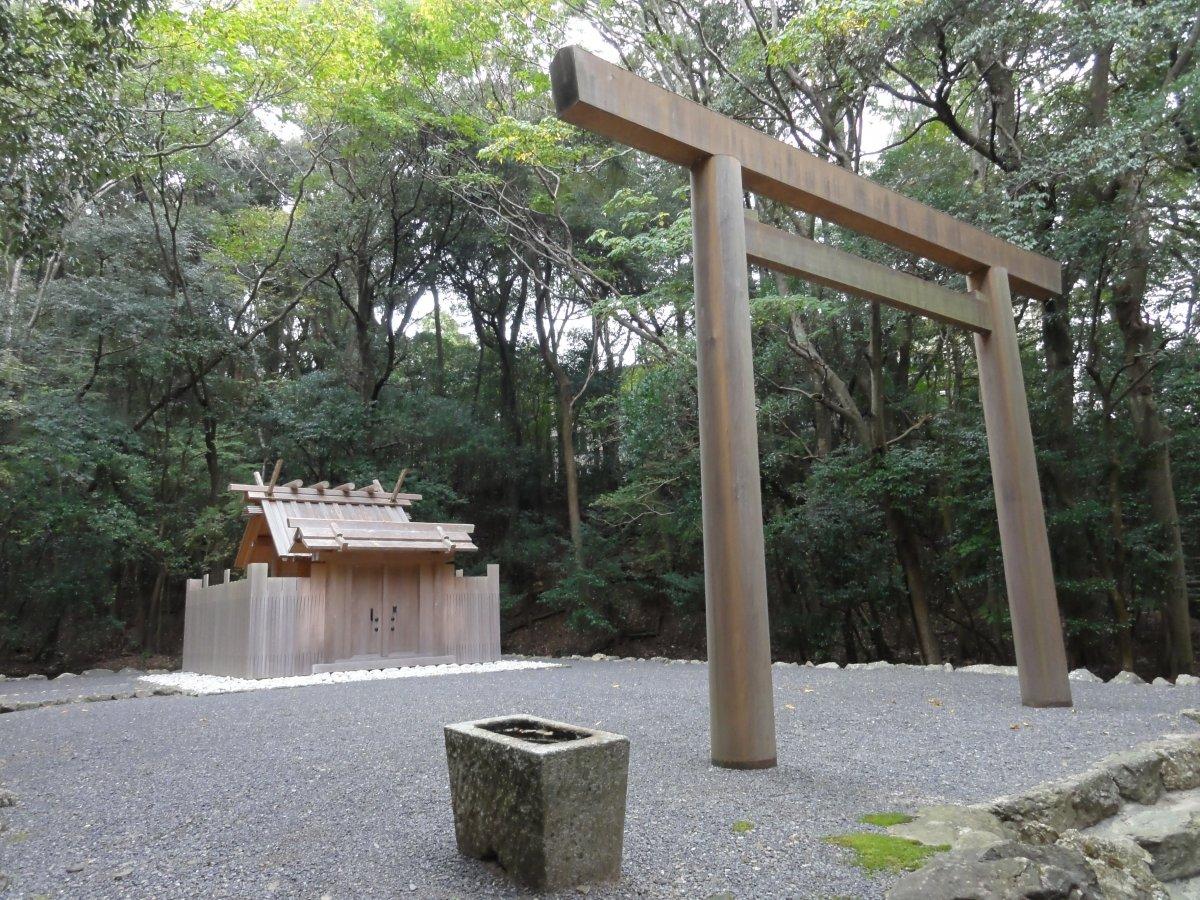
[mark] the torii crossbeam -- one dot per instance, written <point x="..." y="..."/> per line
<point x="725" y="158"/>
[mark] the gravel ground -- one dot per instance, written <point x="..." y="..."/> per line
<point x="62" y="688"/>
<point x="341" y="790"/>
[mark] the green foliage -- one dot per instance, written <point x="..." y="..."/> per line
<point x="885" y="819"/>
<point x="582" y="590"/>
<point x="816" y="25"/>
<point x="309" y="59"/>
<point x="60" y="132"/>
<point x="884" y="853"/>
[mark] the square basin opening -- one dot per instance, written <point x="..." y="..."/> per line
<point x="533" y="731"/>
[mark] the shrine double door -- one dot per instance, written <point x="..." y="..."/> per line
<point x="382" y="612"/>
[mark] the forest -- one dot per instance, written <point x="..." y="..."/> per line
<point x="353" y="236"/>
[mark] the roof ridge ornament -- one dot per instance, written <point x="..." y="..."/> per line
<point x="274" y="477"/>
<point x="399" y="483"/>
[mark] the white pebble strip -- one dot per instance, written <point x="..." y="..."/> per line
<point x="195" y="684"/>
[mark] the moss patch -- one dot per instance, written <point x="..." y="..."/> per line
<point x="882" y="852"/>
<point x="742" y="826"/>
<point x="884" y="819"/>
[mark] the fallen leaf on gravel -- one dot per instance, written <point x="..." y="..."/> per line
<point x="616" y="684"/>
<point x="809" y="690"/>
<point x="935" y="701"/>
<point x="789" y="706"/>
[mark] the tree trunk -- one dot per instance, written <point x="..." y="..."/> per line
<point x="508" y="394"/>
<point x="439" y="382"/>
<point x="822" y="418"/>
<point x="13" y="288"/>
<point x="1115" y="571"/>
<point x="548" y="347"/>
<point x="908" y="553"/>
<point x="362" y="344"/>
<point x="566" y="428"/>
<point x="146" y="614"/>
<point x="211" y="458"/>
<point x="1153" y="435"/>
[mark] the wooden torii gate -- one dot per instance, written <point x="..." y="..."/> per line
<point x="725" y="158"/>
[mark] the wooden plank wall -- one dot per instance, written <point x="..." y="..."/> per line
<point x="216" y="633"/>
<point x="403" y="589"/>
<point x="473" y="616"/>
<point x="259" y="627"/>
<point x="287" y="625"/>
<point x="431" y="599"/>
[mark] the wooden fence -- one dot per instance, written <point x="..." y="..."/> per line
<point x="260" y="627"/>
<point x="473" y="617"/>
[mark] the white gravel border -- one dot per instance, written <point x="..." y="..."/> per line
<point x="199" y="685"/>
<point x="1181" y="680"/>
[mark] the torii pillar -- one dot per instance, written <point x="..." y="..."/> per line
<point x="742" y="733"/>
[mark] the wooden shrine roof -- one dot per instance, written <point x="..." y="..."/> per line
<point x="301" y="521"/>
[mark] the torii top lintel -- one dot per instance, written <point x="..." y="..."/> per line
<point x="615" y="103"/>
